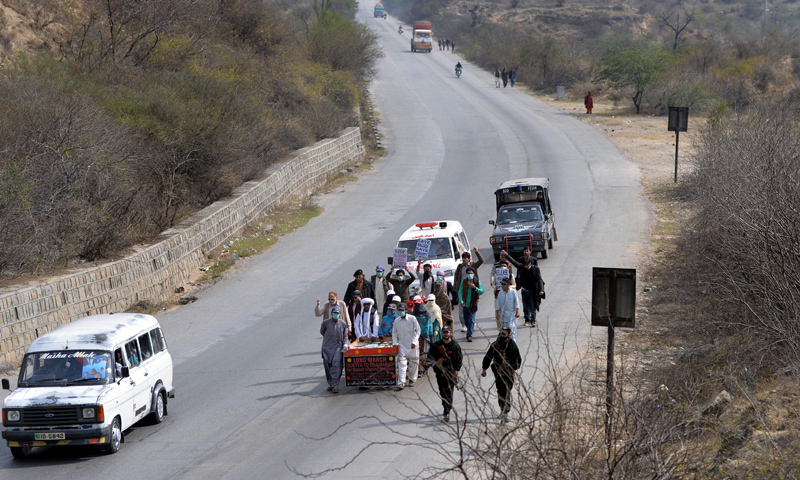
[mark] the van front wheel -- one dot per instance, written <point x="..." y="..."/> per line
<point x="116" y="437"/>
<point x="158" y="413"/>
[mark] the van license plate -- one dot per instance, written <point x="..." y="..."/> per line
<point x="518" y="248"/>
<point x="49" y="436"/>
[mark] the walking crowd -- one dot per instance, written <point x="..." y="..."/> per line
<point x="506" y="75"/>
<point x="419" y="321"/>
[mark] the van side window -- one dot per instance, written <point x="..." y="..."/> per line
<point x="145" y="347"/>
<point x="132" y="353"/>
<point x="456" y="253"/>
<point x="159" y="345"/>
<point x="463" y="237"/>
<point x="118" y="362"/>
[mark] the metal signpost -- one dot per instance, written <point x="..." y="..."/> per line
<point x="678" y="122"/>
<point x="613" y="305"/>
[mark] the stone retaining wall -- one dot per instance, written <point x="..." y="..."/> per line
<point x="153" y="272"/>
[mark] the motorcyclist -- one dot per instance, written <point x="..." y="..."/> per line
<point x="458" y="67"/>
<point x="400" y="29"/>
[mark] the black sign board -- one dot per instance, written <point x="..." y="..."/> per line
<point x="614" y="297"/>
<point x="678" y="120"/>
<point x="370" y="370"/>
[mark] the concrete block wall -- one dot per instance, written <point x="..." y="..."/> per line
<point x="153" y="272"/>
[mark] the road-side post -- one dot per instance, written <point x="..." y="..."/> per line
<point x="678" y="122"/>
<point x="613" y="306"/>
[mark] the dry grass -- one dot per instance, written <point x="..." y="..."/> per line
<point x="756" y="437"/>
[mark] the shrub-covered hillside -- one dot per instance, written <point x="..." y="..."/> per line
<point x="119" y="118"/>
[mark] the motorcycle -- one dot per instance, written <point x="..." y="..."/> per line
<point x="458" y="72"/>
<point x="400" y="30"/>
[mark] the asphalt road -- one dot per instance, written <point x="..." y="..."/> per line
<point x="251" y="399"/>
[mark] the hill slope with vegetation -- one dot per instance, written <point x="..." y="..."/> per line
<point x="121" y="118"/>
<point x="703" y="55"/>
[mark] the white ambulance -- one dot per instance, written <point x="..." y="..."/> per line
<point x="86" y="382"/>
<point x="448" y="241"/>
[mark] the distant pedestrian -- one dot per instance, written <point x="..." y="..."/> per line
<point x="504" y="75"/>
<point x="504" y="359"/>
<point x="512" y="76"/>
<point x="588" y="101"/>
<point x="452" y="47"/>
<point x="496" y="77"/>
<point x="440" y="44"/>
<point x="447" y="44"/>
<point x="334" y="344"/>
<point x="446" y="357"/>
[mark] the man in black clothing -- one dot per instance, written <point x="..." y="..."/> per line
<point x="504" y="358"/>
<point x="446" y="357"/>
<point x="526" y="253"/>
<point x="359" y="284"/>
<point x="531" y="286"/>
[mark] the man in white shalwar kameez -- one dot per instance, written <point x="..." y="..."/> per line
<point x="507" y="307"/>
<point x="405" y="334"/>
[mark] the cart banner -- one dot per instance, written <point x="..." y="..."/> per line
<point x="400" y="257"/>
<point x="370" y="370"/>
<point x="423" y="248"/>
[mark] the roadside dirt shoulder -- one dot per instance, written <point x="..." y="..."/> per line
<point x="646" y="142"/>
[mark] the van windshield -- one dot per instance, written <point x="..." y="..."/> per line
<point x="66" y="368"/>
<point x="440" y="248"/>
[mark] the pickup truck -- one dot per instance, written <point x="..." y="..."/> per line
<point x="525" y="218"/>
<point x="422" y="37"/>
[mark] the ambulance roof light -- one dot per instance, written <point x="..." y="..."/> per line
<point x="426" y="225"/>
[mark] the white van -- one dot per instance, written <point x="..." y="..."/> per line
<point x="86" y="382"/>
<point x="448" y="242"/>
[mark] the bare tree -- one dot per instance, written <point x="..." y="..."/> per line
<point x="677" y="25"/>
